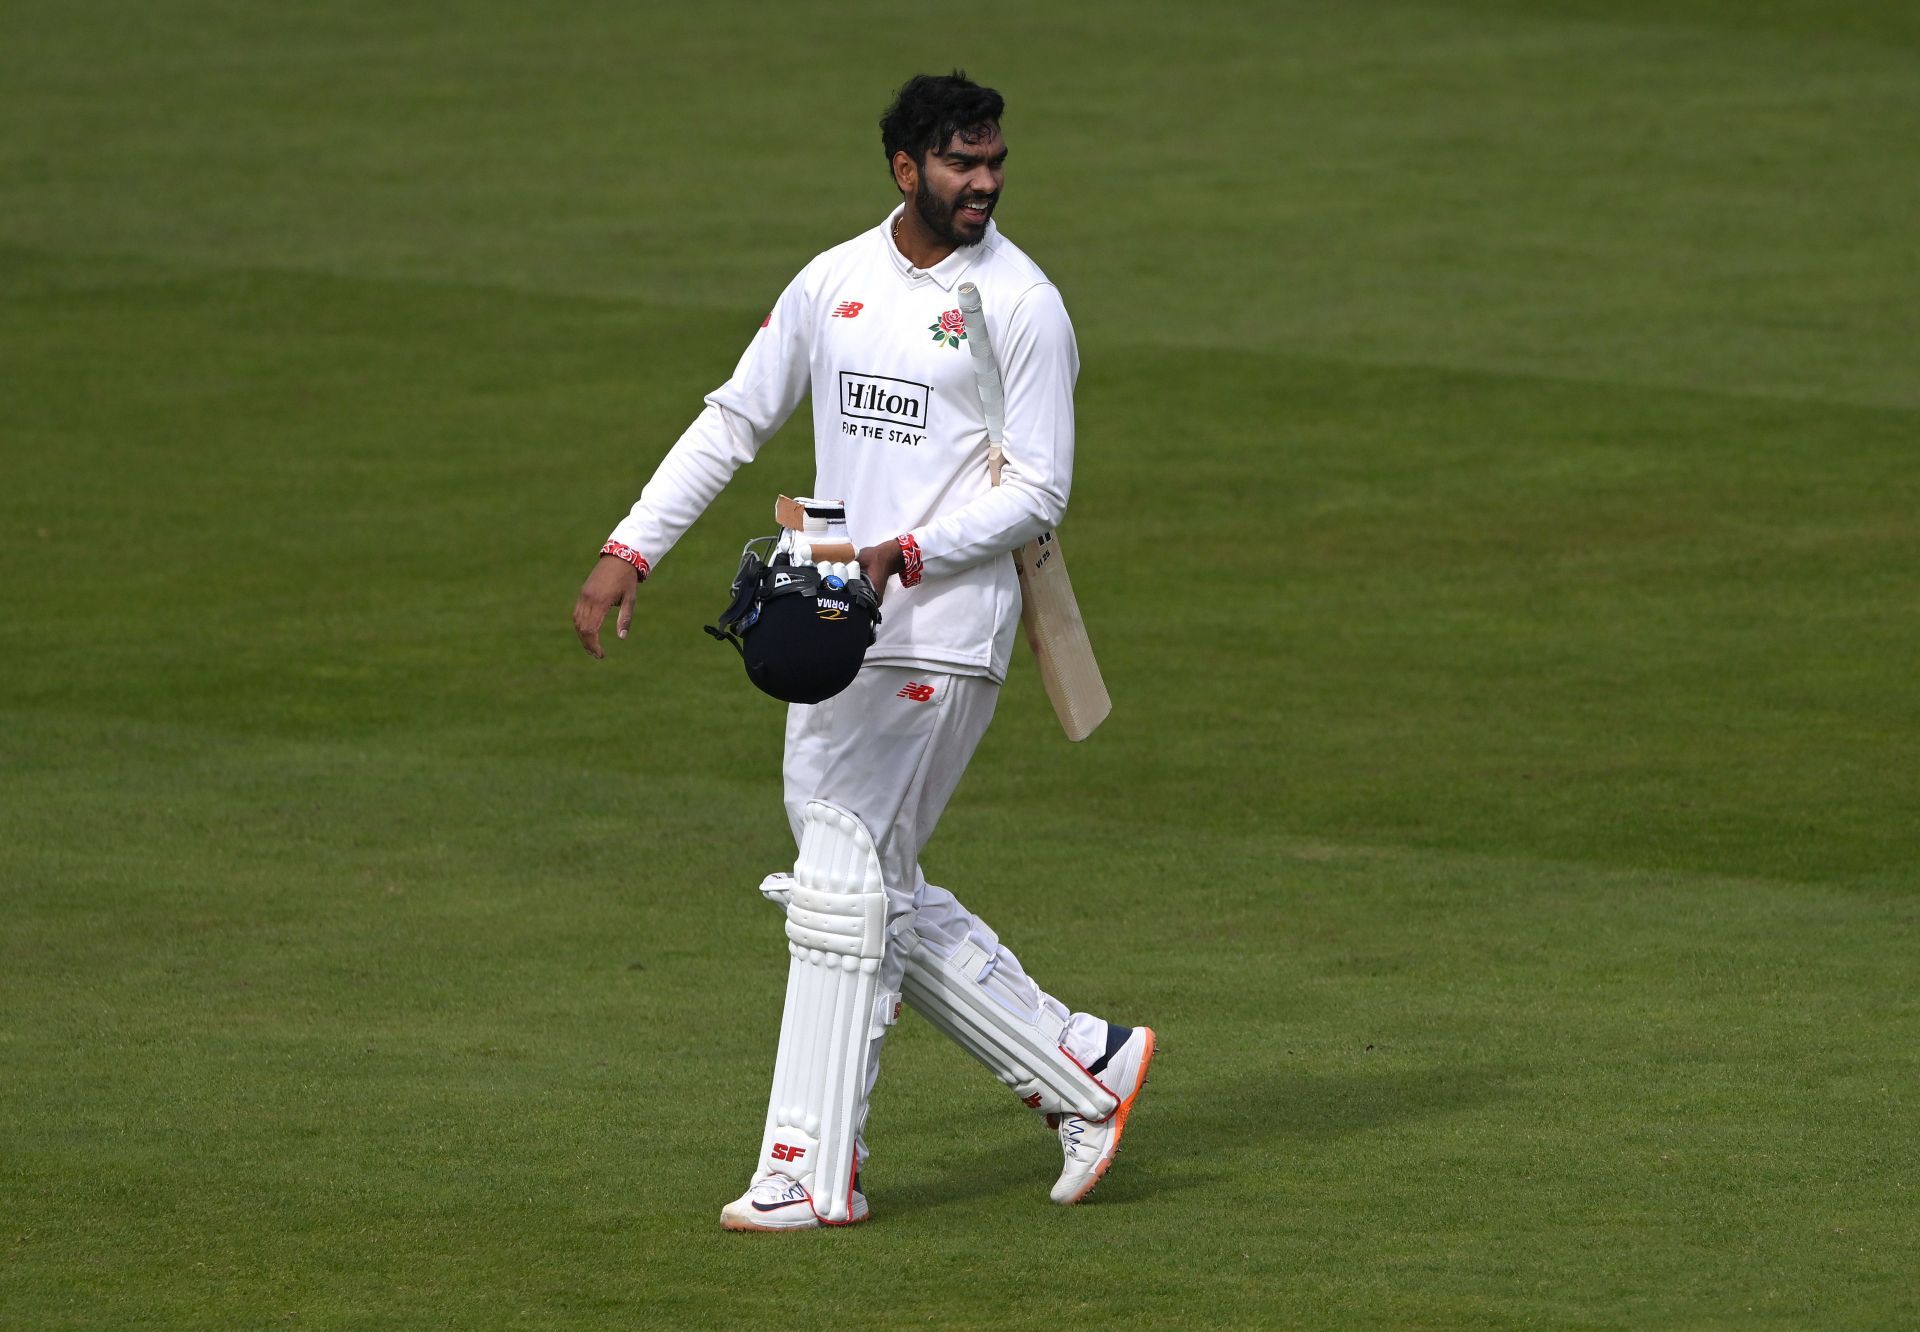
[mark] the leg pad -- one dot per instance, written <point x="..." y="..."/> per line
<point x="836" y="938"/>
<point x="1014" y="1035"/>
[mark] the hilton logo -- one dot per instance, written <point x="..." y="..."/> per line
<point x="878" y="398"/>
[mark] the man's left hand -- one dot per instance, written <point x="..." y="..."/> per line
<point x="879" y="563"/>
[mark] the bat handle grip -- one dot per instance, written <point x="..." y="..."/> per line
<point x="996" y="458"/>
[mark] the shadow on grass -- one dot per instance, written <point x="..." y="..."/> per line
<point x="1179" y="1141"/>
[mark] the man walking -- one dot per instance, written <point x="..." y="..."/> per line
<point x="872" y="329"/>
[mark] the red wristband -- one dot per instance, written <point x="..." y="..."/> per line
<point x="630" y="555"/>
<point x="910" y="561"/>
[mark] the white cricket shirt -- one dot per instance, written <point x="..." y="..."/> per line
<point x="898" y="432"/>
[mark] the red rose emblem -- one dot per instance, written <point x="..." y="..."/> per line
<point x="950" y="328"/>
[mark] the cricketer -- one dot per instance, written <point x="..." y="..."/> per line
<point x="872" y="330"/>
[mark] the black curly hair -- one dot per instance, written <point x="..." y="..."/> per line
<point x="930" y="109"/>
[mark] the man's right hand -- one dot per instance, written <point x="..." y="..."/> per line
<point x="613" y="579"/>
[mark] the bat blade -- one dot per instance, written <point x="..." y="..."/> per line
<point x="1050" y="615"/>
<point x="1055" y="630"/>
<point x="1048" y="610"/>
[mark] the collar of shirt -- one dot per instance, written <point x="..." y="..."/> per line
<point x="949" y="270"/>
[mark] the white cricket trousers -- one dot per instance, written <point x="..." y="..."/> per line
<point x="891" y="748"/>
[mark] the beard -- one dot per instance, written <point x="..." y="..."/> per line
<point x="941" y="215"/>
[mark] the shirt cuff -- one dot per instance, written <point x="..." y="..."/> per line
<point x="911" y="564"/>
<point x="630" y="555"/>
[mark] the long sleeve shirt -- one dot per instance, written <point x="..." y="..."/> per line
<point x="899" y="433"/>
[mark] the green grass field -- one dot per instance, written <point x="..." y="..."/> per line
<point x="1498" y="511"/>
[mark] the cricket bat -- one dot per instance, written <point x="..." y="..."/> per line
<point x="1048" y="611"/>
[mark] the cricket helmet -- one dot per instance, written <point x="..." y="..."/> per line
<point x="802" y="629"/>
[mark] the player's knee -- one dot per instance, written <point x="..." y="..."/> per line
<point x="839" y="903"/>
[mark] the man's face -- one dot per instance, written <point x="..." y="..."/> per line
<point x="960" y="184"/>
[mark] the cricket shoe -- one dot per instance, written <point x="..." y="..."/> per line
<point x="1090" y="1145"/>
<point x="779" y="1203"/>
